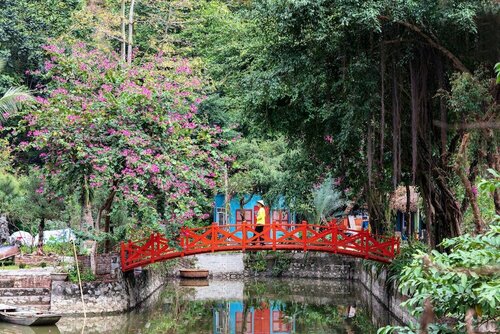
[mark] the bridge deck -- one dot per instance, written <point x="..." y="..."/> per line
<point x="244" y="237"/>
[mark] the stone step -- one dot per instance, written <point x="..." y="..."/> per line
<point x="26" y="300"/>
<point x="9" y="292"/>
<point x="39" y="307"/>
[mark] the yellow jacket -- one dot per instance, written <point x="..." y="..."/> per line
<point x="261" y="216"/>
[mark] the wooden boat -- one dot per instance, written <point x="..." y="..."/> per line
<point x="29" y="318"/>
<point x="193" y="273"/>
<point x="193" y="282"/>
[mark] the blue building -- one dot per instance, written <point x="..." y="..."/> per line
<point x="232" y="318"/>
<point x="235" y="215"/>
<point x="277" y="212"/>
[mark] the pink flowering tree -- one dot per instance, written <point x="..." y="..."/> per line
<point x="132" y="133"/>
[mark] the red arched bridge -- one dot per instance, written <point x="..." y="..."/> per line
<point x="244" y="237"/>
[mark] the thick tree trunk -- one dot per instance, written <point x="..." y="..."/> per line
<point x="460" y="169"/>
<point x="369" y="153"/>
<point x="104" y="211"/>
<point x="123" y="32"/>
<point x="382" y="108"/>
<point x="86" y="221"/>
<point x="415" y="106"/>
<point x="442" y="108"/>
<point x="444" y="216"/>
<point x="396" y="130"/>
<point x="130" y="31"/>
<point x="41" y="228"/>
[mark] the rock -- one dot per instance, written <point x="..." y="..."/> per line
<point x="68" y="290"/>
<point x="118" y="287"/>
<point x="4" y="230"/>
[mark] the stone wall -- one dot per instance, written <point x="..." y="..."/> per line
<point x="386" y="293"/>
<point x="303" y="265"/>
<point x="127" y="291"/>
<point x="37" y="260"/>
<point x="34" y="278"/>
<point x="106" y="264"/>
<point x="222" y="265"/>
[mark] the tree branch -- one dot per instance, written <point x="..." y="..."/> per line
<point x="447" y="53"/>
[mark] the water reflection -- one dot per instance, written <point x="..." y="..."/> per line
<point x="236" y="307"/>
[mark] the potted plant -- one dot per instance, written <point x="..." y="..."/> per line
<point x="59" y="275"/>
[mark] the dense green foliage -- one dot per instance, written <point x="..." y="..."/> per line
<point x="465" y="279"/>
<point x="329" y="77"/>
<point x="25" y="26"/>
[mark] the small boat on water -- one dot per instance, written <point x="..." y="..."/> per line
<point x="193" y="273"/>
<point x="16" y="316"/>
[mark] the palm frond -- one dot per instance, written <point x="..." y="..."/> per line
<point x="13" y="99"/>
<point x="326" y="200"/>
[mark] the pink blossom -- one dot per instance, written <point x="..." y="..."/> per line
<point x="53" y="48"/>
<point x="154" y="168"/>
<point x="73" y="118"/>
<point x="107" y="88"/>
<point x="184" y="69"/>
<point x="59" y="91"/>
<point x="48" y="65"/>
<point x="329" y="139"/>
<point x="42" y="100"/>
<point x="146" y="92"/>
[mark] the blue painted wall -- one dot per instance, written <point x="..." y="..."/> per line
<point x="235" y="205"/>
<point x="235" y="307"/>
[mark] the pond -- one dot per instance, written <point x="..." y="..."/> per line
<point x="262" y="306"/>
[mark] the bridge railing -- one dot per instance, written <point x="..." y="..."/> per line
<point x="275" y="236"/>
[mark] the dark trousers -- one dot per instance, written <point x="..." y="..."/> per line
<point x="259" y="229"/>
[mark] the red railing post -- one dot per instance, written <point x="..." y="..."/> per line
<point x="334" y="238"/>
<point x="153" y="248"/>
<point x="214" y="237"/>
<point x="183" y="240"/>
<point x="366" y="244"/>
<point x="273" y="227"/>
<point x="244" y="236"/>
<point x="304" y="234"/>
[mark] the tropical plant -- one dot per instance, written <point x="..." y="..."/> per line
<point x="462" y="284"/>
<point x="327" y="198"/>
<point x="12" y="99"/>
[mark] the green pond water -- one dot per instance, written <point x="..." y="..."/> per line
<point x="264" y="306"/>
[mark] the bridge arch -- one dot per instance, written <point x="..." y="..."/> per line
<point x="243" y="237"/>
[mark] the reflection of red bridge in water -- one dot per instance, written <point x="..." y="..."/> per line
<point x="244" y="237"/>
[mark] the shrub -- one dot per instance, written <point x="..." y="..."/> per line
<point x="85" y="275"/>
<point x="22" y="265"/>
<point x="43" y="264"/>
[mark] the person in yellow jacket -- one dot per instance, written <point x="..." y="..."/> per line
<point x="261" y="220"/>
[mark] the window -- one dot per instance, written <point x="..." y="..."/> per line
<point x="220" y="216"/>
<point x="244" y="215"/>
<point x="239" y="323"/>
<point x="280" y="216"/>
